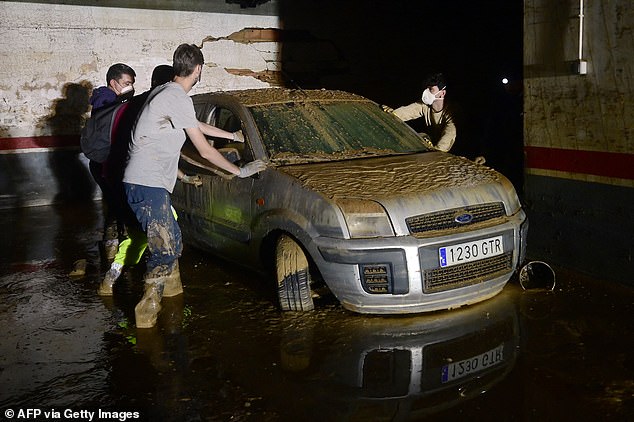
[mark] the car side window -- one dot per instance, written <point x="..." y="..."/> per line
<point x="204" y="112"/>
<point x="227" y="120"/>
<point x="224" y="118"/>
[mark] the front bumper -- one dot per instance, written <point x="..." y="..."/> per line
<point x="417" y="283"/>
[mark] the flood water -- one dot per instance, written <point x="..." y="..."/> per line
<point x="223" y="352"/>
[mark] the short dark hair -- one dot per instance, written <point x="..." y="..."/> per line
<point x="116" y="70"/>
<point x="162" y="74"/>
<point x="437" y="79"/>
<point x="186" y="58"/>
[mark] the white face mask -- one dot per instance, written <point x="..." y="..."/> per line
<point x="126" y="89"/>
<point x="428" y="97"/>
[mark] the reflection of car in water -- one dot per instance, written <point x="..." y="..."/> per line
<point x="398" y="368"/>
<point x="352" y="199"/>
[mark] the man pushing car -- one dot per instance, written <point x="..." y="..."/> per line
<point x="150" y="176"/>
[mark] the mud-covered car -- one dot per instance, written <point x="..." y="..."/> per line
<point x="352" y="200"/>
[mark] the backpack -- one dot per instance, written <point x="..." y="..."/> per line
<point x="96" y="134"/>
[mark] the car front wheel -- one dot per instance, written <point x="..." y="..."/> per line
<point x="293" y="276"/>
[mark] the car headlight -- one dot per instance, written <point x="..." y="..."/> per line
<point x="365" y="218"/>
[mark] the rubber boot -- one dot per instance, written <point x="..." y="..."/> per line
<point x="146" y="311"/>
<point x="105" y="288"/>
<point x="110" y="240"/>
<point x="110" y="248"/>
<point x="173" y="285"/>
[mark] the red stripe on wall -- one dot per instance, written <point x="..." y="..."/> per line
<point x="39" y="142"/>
<point x="606" y="164"/>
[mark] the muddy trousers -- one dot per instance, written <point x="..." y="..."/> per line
<point x="131" y="249"/>
<point x="153" y="210"/>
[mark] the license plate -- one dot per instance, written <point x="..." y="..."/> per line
<point x="470" y="251"/>
<point x="457" y="370"/>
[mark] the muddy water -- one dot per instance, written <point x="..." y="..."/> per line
<point x="222" y="351"/>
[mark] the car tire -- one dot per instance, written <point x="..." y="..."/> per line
<point x="293" y="276"/>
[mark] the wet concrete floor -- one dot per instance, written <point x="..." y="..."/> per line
<point x="223" y="352"/>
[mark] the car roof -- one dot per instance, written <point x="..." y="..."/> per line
<point x="262" y="96"/>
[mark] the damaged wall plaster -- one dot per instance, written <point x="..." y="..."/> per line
<point x="54" y="55"/>
<point x="53" y="51"/>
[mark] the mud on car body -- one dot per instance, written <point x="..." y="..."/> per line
<point x="352" y="199"/>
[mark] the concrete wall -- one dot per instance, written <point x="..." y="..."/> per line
<point x="53" y="55"/>
<point x="578" y="132"/>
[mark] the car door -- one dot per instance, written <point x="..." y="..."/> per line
<point x="231" y="201"/>
<point x="218" y="214"/>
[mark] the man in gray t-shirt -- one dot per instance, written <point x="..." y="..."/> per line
<point x="151" y="174"/>
<point x="159" y="136"/>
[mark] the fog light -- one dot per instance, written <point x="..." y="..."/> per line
<point x="376" y="278"/>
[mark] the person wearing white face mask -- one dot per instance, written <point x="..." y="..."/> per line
<point x="120" y="80"/>
<point x="438" y="123"/>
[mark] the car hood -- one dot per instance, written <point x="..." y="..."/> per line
<point x="425" y="182"/>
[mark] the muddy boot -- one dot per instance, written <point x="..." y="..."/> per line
<point x="105" y="288"/>
<point x="110" y="241"/>
<point x="146" y="311"/>
<point x="110" y="248"/>
<point x="173" y="285"/>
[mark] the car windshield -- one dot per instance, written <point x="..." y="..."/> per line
<point x="312" y="131"/>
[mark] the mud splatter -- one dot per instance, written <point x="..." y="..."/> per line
<point x="397" y="176"/>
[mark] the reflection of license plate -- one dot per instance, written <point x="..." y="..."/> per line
<point x="457" y="370"/>
<point x="470" y="251"/>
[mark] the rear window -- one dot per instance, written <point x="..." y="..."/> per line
<point x="328" y="130"/>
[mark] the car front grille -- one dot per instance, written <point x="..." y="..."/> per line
<point x="443" y="279"/>
<point x="446" y="219"/>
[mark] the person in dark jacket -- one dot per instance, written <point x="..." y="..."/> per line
<point x="120" y="80"/>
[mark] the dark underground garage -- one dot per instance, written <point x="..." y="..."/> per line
<point x="550" y="345"/>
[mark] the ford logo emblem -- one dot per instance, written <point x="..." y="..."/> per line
<point x="463" y="218"/>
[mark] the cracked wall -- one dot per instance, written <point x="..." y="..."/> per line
<point x="48" y="48"/>
<point x="54" y="55"/>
